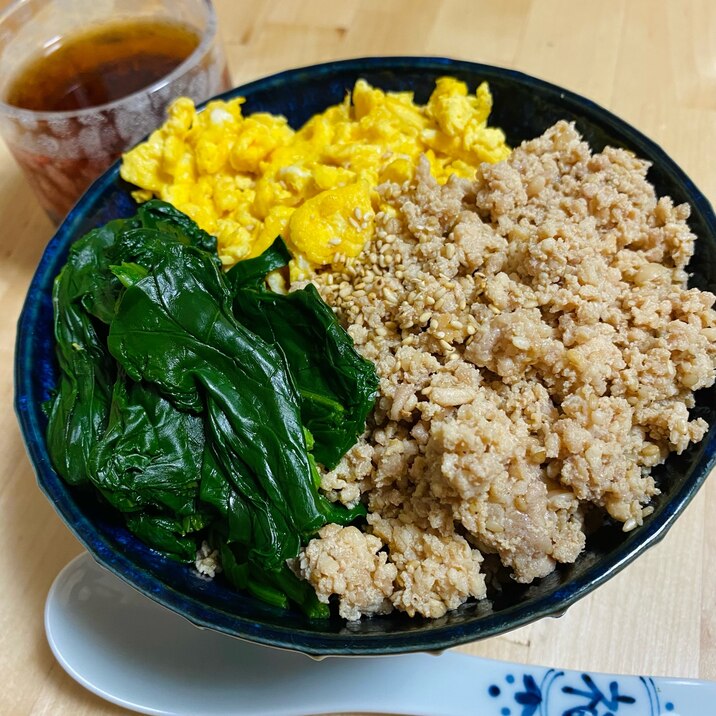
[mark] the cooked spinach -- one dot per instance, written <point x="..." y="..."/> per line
<point x="150" y="453"/>
<point x="78" y="415"/>
<point x="198" y="403"/>
<point x="334" y="403"/>
<point x="174" y="537"/>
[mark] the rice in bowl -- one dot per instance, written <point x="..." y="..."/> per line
<point x="538" y="350"/>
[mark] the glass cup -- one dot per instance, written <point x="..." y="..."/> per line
<point x="62" y="152"/>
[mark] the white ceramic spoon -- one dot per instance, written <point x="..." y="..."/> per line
<point x="135" y="653"/>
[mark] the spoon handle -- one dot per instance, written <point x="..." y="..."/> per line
<point x="458" y="684"/>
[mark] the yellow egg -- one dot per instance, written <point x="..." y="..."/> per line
<point x="336" y="221"/>
<point x="249" y="179"/>
<point x="275" y="225"/>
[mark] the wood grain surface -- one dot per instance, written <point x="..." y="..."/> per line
<point x="653" y="62"/>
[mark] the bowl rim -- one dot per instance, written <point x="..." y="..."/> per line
<point x="321" y="644"/>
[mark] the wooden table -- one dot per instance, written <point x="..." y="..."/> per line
<point x="652" y="62"/>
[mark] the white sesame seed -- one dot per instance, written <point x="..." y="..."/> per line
<point x="520" y="342"/>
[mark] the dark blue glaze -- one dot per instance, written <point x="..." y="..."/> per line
<point x="523" y="107"/>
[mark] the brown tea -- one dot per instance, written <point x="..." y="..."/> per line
<point x="101" y="65"/>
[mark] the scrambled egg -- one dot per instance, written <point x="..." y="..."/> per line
<point x="248" y="179"/>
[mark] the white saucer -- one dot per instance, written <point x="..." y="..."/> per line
<point x="135" y="653"/>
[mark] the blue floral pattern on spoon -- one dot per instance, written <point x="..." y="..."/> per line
<point x="560" y="693"/>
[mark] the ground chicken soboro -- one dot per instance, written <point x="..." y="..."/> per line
<point x="537" y="348"/>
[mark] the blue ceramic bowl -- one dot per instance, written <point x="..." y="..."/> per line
<point x="524" y="107"/>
